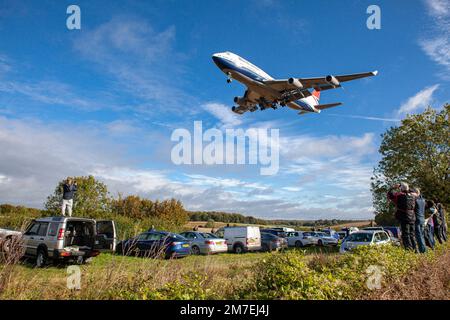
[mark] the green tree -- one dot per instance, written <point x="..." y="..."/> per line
<point x="91" y="199"/>
<point x="418" y="152"/>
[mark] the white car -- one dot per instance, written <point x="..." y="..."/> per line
<point x="364" y="238"/>
<point x="241" y="239"/>
<point x="325" y="239"/>
<point x="295" y="239"/>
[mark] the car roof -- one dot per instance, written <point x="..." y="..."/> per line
<point x="367" y="231"/>
<point x="61" y="219"/>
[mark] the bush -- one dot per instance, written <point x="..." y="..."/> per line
<point x="291" y="276"/>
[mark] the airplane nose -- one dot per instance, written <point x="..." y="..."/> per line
<point x="217" y="60"/>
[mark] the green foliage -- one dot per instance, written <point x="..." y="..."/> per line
<point x="291" y="276"/>
<point x="210" y="224"/>
<point x="18" y="217"/>
<point x="192" y="286"/>
<point x="91" y="199"/>
<point x="418" y="152"/>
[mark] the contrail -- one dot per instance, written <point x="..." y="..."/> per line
<point x="363" y="117"/>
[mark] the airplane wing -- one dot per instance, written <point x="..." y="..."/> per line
<point x="320" y="83"/>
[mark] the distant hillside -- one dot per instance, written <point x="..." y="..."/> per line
<point x="226" y="217"/>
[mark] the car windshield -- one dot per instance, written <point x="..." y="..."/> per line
<point x="360" y="237"/>
<point x="209" y="236"/>
<point x="175" y="236"/>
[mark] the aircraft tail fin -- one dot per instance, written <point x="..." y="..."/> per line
<point x="316" y="94"/>
<point x="326" y="106"/>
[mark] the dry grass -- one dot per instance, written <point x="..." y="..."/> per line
<point x="429" y="281"/>
<point x="109" y="275"/>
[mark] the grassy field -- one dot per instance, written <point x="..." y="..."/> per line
<point x="104" y="274"/>
<point x="313" y="273"/>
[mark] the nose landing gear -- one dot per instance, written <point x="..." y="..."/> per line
<point x="229" y="78"/>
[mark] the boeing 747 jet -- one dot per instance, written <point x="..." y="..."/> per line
<point x="264" y="92"/>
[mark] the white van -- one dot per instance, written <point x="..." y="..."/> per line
<point x="241" y="239"/>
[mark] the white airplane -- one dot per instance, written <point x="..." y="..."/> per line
<point x="264" y="92"/>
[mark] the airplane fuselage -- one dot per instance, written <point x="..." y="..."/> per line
<point x="236" y="67"/>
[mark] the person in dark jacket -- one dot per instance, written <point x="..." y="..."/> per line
<point x="68" y="189"/>
<point x="437" y="221"/>
<point x="429" y="228"/>
<point x="441" y="212"/>
<point x="419" y="211"/>
<point x="405" y="202"/>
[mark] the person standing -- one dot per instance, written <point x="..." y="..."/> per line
<point x="419" y="211"/>
<point x="69" y="188"/>
<point x="405" y="202"/>
<point x="441" y="212"/>
<point x="437" y="221"/>
<point x="429" y="229"/>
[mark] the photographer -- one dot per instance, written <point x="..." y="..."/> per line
<point x="68" y="190"/>
<point x="405" y="202"/>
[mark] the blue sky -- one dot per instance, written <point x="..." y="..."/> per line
<point x="105" y="99"/>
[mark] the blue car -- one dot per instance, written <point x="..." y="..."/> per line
<point x="155" y="244"/>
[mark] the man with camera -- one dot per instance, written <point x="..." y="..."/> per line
<point x="68" y="190"/>
<point x="405" y="202"/>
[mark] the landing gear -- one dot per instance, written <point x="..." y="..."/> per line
<point x="229" y="79"/>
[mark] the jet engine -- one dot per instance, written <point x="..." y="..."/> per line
<point x="295" y="82"/>
<point x="240" y="101"/>
<point x="332" y="80"/>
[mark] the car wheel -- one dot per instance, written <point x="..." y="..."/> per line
<point x="195" y="250"/>
<point x="41" y="258"/>
<point x="298" y="244"/>
<point x="264" y="248"/>
<point x="6" y="246"/>
<point x="238" y="249"/>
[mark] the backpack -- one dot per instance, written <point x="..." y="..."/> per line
<point x="406" y="203"/>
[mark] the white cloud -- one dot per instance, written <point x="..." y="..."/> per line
<point x="35" y="156"/>
<point x="438" y="7"/>
<point x="140" y="60"/>
<point x="436" y="42"/>
<point x="223" y="113"/>
<point x="419" y="101"/>
<point x="297" y="147"/>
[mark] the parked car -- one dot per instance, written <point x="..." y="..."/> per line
<point x="241" y="239"/>
<point x="395" y="240"/>
<point x="396" y="231"/>
<point x="205" y="243"/>
<point x="271" y="242"/>
<point x="342" y="234"/>
<point x="284" y="229"/>
<point x="364" y="238"/>
<point x="7" y="238"/>
<point x="156" y="244"/>
<point x="310" y="238"/>
<point x="67" y="238"/>
<point x="331" y="233"/>
<point x="295" y="239"/>
<point x="279" y="232"/>
<point x="325" y="239"/>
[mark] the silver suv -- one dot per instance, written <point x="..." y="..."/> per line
<point x="68" y="238"/>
